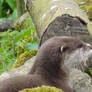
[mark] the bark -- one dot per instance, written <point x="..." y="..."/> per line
<point x="58" y="17"/>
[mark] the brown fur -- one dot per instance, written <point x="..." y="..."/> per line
<point x="48" y="68"/>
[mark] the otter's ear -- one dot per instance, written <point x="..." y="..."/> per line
<point x="64" y="48"/>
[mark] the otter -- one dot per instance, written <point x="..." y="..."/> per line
<point x="50" y="67"/>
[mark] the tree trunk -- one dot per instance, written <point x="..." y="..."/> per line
<point x="58" y="17"/>
<point x="20" y="7"/>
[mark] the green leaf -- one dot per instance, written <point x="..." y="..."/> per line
<point x="13" y="33"/>
<point x="14" y="15"/>
<point x="2" y="1"/>
<point x="11" y="63"/>
<point x="1" y="50"/>
<point x="34" y="40"/>
<point x="32" y="46"/>
<point x="21" y="35"/>
<point x="11" y="3"/>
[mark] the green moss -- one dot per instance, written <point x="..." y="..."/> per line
<point x="24" y="57"/>
<point x="25" y="40"/>
<point x="89" y="71"/>
<point x="26" y="45"/>
<point x="90" y="12"/>
<point x="19" y="50"/>
<point x="42" y="89"/>
<point x="24" y="22"/>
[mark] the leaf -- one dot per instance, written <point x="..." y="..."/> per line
<point x="32" y="46"/>
<point x="1" y="50"/>
<point x="21" y="35"/>
<point x="34" y="40"/>
<point x="11" y="63"/>
<point x="11" y="3"/>
<point x="2" y="1"/>
<point x="13" y="33"/>
<point x="13" y="16"/>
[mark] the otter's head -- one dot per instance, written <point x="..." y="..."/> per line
<point x="68" y="51"/>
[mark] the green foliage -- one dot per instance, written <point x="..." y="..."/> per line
<point x="11" y="3"/>
<point x="24" y="57"/>
<point x="89" y="71"/>
<point x="8" y="9"/>
<point x="42" y="89"/>
<point x="86" y="5"/>
<point x="14" y="43"/>
<point x="6" y="50"/>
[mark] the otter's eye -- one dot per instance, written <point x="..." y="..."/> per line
<point x="80" y="46"/>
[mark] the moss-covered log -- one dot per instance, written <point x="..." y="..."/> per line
<point x="59" y="17"/>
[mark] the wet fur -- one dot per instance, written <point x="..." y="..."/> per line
<point x="49" y="67"/>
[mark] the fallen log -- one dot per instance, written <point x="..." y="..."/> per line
<point x="59" y="17"/>
<point x="5" y="25"/>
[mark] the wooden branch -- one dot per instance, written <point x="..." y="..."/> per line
<point x="9" y="24"/>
